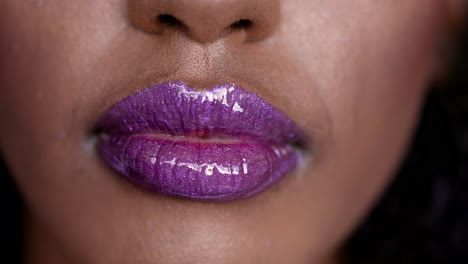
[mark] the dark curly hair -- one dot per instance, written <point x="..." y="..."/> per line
<point x="421" y="218"/>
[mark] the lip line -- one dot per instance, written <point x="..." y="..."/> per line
<point x="191" y="139"/>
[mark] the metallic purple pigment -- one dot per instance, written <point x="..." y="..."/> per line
<point x="222" y="144"/>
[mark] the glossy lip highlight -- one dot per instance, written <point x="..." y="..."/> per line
<point x="221" y="144"/>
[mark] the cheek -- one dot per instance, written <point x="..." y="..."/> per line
<point x="46" y="63"/>
<point x="372" y="71"/>
<point x="384" y="75"/>
<point x="371" y="63"/>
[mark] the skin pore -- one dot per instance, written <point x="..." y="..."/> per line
<point x="352" y="74"/>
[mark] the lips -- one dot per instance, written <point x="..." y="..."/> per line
<point x="221" y="144"/>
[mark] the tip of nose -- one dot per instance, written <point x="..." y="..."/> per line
<point x="206" y="34"/>
<point x="204" y="21"/>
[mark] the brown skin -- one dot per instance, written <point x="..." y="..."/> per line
<point x="352" y="74"/>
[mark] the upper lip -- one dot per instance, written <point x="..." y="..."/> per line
<point x="250" y="118"/>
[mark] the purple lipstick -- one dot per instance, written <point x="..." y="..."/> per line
<point x="222" y="144"/>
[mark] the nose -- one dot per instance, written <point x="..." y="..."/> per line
<point x="206" y="21"/>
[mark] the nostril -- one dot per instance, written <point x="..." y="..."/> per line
<point x="241" y="24"/>
<point x="169" y="20"/>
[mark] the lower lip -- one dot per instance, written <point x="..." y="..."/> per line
<point x="196" y="169"/>
<point x="218" y="145"/>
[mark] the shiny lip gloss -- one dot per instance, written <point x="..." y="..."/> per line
<point x="221" y="144"/>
